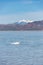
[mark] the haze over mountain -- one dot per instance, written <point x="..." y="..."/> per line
<point x="15" y="10"/>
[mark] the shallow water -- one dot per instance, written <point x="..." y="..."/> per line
<point x="28" y="52"/>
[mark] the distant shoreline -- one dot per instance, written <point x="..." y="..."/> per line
<point x="21" y="30"/>
<point x="33" y="26"/>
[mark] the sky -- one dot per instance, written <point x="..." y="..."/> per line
<point x="14" y="10"/>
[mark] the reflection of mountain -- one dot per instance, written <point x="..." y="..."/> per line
<point x="36" y="25"/>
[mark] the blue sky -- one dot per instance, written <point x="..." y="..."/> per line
<point x="14" y="10"/>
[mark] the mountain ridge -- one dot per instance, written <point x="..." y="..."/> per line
<point x="36" y="25"/>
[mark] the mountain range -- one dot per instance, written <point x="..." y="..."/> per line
<point x="22" y="25"/>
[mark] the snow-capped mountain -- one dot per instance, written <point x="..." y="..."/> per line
<point x="23" y="22"/>
<point x="30" y="25"/>
<point x="26" y="21"/>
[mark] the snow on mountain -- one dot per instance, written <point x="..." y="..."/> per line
<point x="22" y="22"/>
<point x="27" y="21"/>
